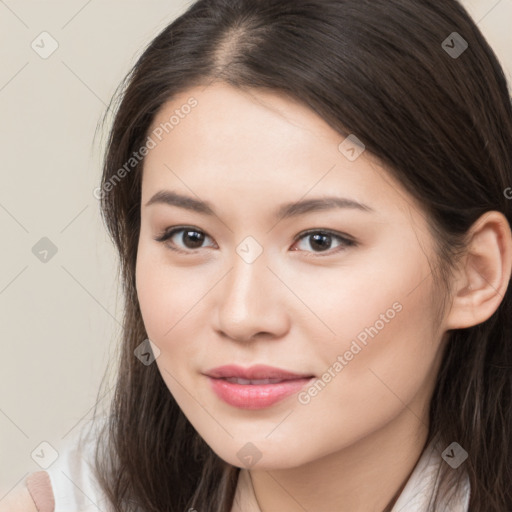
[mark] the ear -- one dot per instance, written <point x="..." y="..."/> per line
<point x="484" y="272"/>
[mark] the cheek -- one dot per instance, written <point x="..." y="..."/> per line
<point x="164" y="305"/>
<point x="169" y="299"/>
<point x="378" y="331"/>
<point x="363" y="386"/>
<point x="160" y="293"/>
<point x="152" y="298"/>
<point x="384" y="350"/>
<point x="344" y="303"/>
<point x="379" y="295"/>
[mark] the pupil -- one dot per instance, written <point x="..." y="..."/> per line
<point x="197" y="239"/>
<point x="316" y="239"/>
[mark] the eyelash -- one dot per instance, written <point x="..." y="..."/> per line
<point x="346" y="242"/>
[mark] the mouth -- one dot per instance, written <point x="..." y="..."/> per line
<point x="254" y="373"/>
<point x="256" y="387"/>
<point x="253" y="382"/>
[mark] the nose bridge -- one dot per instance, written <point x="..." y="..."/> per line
<point x="247" y="280"/>
<point x="248" y="303"/>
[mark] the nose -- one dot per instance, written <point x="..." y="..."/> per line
<point x="251" y="302"/>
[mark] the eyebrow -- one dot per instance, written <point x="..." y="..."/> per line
<point x="284" y="211"/>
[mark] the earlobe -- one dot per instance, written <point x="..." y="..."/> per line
<point x="484" y="272"/>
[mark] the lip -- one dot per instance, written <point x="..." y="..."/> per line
<point x="258" y="371"/>
<point x="255" y="396"/>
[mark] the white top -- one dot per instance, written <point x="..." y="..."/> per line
<point x="75" y="488"/>
<point x="74" y="485"/>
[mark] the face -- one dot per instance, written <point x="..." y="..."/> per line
<point x="340" y="295"/>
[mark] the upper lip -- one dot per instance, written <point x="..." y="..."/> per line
<point x="259" y="371"/>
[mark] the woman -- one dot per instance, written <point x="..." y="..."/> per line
<point x="311" y="203"/>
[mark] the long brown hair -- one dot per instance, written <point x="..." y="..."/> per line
<point x="441" y="123"/>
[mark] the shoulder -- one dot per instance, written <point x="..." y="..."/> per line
<point x="69" y="483"/>
<point x="18" y="500"/>
<point x="40" y="488"/>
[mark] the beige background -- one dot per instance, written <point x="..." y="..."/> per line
<point x="60" y="319"/>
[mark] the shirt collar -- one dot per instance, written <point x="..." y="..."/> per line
<point x="424" y="483"/>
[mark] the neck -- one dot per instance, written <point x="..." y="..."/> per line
<point x="367" y="475"/>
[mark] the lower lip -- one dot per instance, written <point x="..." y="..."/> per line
<point x="255" y="396"/>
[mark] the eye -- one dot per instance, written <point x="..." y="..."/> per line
<point x="322" y="240"/>
<point x="192" y="238"/>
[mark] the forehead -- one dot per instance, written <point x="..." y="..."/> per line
<point x="258" y="143"/>
<point x="244" y="127"/>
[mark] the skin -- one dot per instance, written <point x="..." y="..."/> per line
<point x="354" y="445"/>
<point x="18" y="500"/>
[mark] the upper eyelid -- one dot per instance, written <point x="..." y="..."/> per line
<point x="167" y="233"/>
